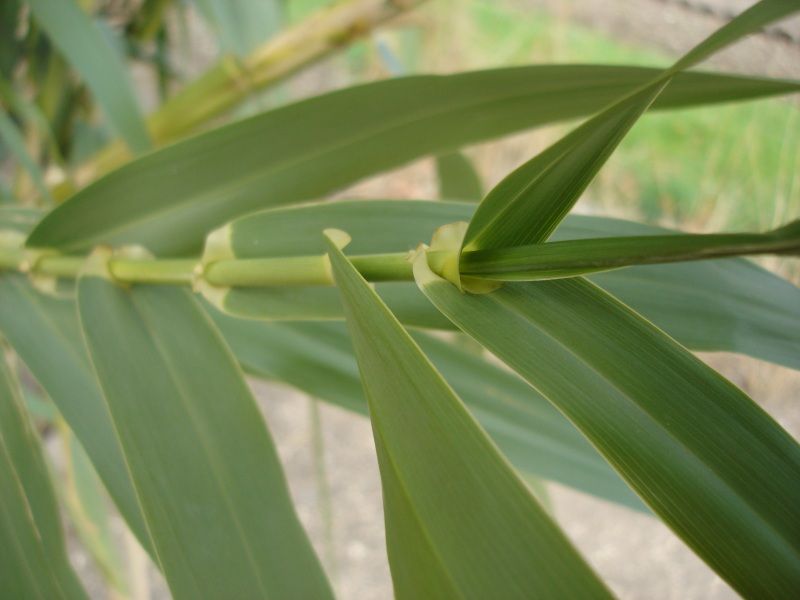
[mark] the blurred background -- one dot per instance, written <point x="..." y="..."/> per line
<point x="723" y="168"/>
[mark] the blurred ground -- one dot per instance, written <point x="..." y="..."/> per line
<point x="703" y="170"/>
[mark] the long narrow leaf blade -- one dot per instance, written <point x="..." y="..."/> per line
<point x="170" y="199"/>
<point x="753" y="19"/>
<point x="736" y="305"/>
<point x="45" y="333"/>
<point x="318" y="359"/>
<point x="707" y="460"/>
<point x="26" y="485"/>
<point x="203" y="464"/>
<point x="89" y="53"/>
<point x="459" y="523"/>
<point x="579" y="257"/>
<point x="527" y="206"/>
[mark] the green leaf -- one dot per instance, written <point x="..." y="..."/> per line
<point x="318" y="359"/>
<point x="737" y="306"/>
<point x="33" y="555"/>
<point x="527" y="206"/>
<point x="751" y="20"/>
<point x="241" y="25"/>
<point x="45" y="333"/>
<point x="90" y="54"/>
<point x="458" y="179"/>
<point x="170" y="199"/>
<point x="204" y="467"/>
<point x="715" y="467"/>
<point x="459" y="522"/>
<point x="12" y="138"/>
<point x="578" y="257"/>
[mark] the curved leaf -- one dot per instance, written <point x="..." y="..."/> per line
<point x="557" y="260"/>
<point x="31" y="537"/>
<point x="459" y="522"/>
<point x="318" y="359"/>
<point x="45" y="333"/>
<point x="730" y="305"/>
<point x="206" y="472"/>
<point x="527" y="206"/>
<point x="715" y="467"/>
<point x="170" y="199"/>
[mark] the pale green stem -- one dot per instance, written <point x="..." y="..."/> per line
<point x="233" y="79"/>
<point x="250" y="272"/>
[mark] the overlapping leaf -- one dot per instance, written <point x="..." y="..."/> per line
<point x="318" y="359"/>
<point x="459" y="522"/>
<point x="204" y="467"/>
<point x="527" y="206"/>
<point x="579" y="257"/>
<point x="44" y="332"/>
<point x="707" y="460"/>
<point x="170" y="199"/>
<point x="33" y="555"/>
<point x="737" y="306"/>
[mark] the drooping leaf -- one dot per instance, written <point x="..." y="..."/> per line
<point x="715" y="467"/>
<point x="33" y="555"/>
<point x="318" y="359"/>
<point x="204" y="467"/>
<point x="170" y="199"/>
<point x="579" y="257"/>
<point x="459" y="522"/>
<point x="90" y="54"/>
<point x="527" y="206"/>
<point x="44" y="332"/>
<point x="458" y="179"/>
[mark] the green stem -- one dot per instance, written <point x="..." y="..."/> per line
<point x="233" y="79"/>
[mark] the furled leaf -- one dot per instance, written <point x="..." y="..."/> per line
<point x="578" y="257"/>
<point x="527" y="206"/>
<point x="708" y="461"/>
<point x="33" y="555"/>
<point x="44" y="332"/>
<point x="170" y="199"/>
<point x="459" y="522"/>
<point x="89" y="53"/>
<point x="204" y="467"/>
<point x="458" y="179"/>
<point x="318" y="359"/>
